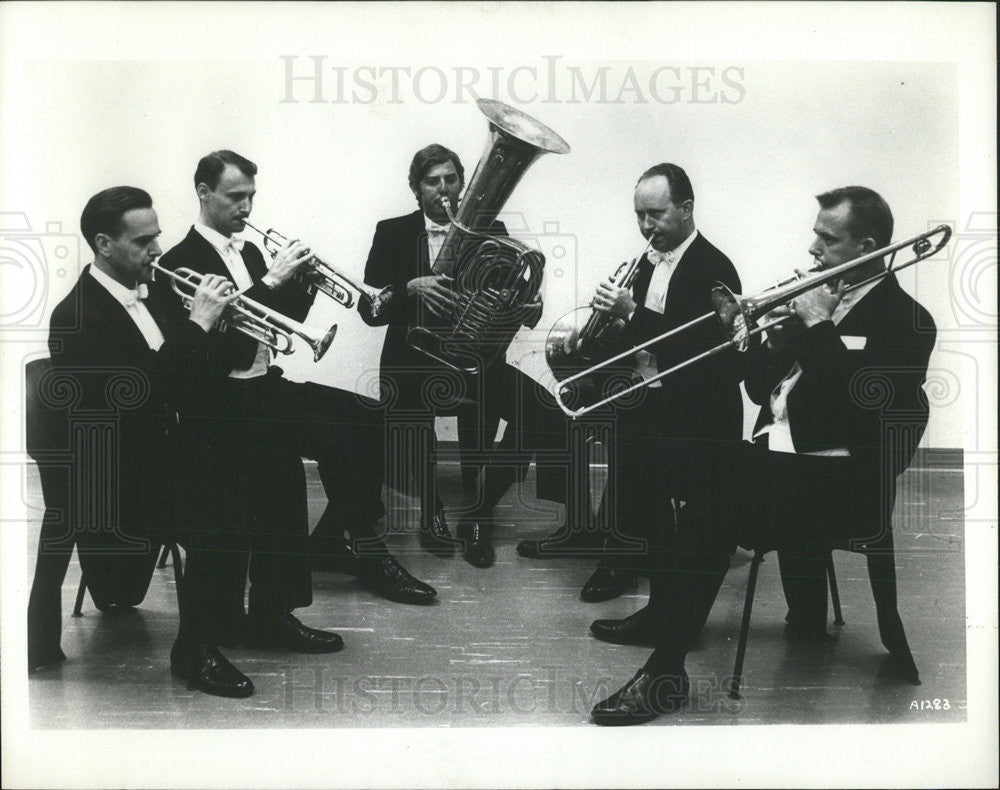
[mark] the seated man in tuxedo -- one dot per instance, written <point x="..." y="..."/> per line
<point x="844" y="410"/>
<point x="135" y="359"/>
<point x="403" y="255"/>
<point x="259" y="414"/>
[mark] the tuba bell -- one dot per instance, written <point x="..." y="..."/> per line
<point x="496" y="278"/>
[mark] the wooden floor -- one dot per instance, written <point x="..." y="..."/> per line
<point x="510" y="646"/>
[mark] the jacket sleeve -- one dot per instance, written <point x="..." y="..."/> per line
<point x="763" y="368"/>
<point x="863" y="392"/>
<point x="384" y="269"/>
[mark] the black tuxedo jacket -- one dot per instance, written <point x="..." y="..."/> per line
<point x="861" y="388"/>
<point x="399" y="254"/>
<point x="195" y="252"/>
<point x="130" y="395"/>
<point x="703" y="400"/>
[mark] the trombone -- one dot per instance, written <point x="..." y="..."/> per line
<point x="739" y="314"/>
<point x="326" y="277"/>
<point x="253" y="319"/>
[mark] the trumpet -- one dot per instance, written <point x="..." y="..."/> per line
<point x="581" y="336"/>
<point x="738" y="314"/>
<point x="326" y="277"/>
<point x="253" y="319"/>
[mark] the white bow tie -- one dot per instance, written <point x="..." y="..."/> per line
<point x="437" y="230"/>
<point x="656" y="257"/>
<point x="141" y="291"/>
<point x="234" y="244"/>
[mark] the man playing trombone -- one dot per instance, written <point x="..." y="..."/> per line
<point x="263" y="424"/>
<point x="842" y="413"/>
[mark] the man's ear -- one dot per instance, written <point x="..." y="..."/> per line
<point x="688" y="207"/>
<point x="868" y="244"/>
<point x="102" y="243"/>
<point x="202" y="191"/>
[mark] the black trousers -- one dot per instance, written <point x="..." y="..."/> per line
<point x="255" y="491"/>
<point x="538" y="430"/>
<point x="742" y="494"/>
<point x="413" y="396"/>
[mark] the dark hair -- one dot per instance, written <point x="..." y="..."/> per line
<point x="680" y="184"/>
<point x="210" y="167"/>
<point x="870" y="214"/>
<point x="104" y="211"/>
<point x="426" y="158"/>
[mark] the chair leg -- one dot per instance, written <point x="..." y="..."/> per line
<point x="838" y="617"/>
<point x="734" y="690"/>
<point x="78" y="607"/>
<point x="178" y="570"/>
<point x="176" y="557"/>
<point x="162" y="562"/>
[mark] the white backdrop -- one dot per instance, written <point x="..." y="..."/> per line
<point x="758" y="138"/>
<point x="765" y="105"/>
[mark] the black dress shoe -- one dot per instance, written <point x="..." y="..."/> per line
<point x="643" y="698"/>
<point x="605" y="584"/>
<point x="206" y="669"/>
<point x="477" y="549"/>
<point x="562" y="543"/>
<point x="286" y="632"/>
<point x="386" y="577"/>
<point x="435" y="536"/>
<point x="640" y="628"/>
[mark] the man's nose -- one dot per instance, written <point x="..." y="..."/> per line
<point x="815" y="249"/>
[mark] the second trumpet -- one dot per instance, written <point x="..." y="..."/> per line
<point x="326" y="277"/>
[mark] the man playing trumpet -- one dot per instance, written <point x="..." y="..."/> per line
<point x="258" y="414"/>
<point x="672" y="285"/>
<point x="133" y="357"/>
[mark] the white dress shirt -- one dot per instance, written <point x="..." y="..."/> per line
<point x="131" y="300"/>
<point x="229" y="250"/>
<point x="664" y="264"/>
<point x="780" y="431"/>
<point x="435" y="239"/>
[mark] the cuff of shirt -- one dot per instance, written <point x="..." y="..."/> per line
<point x="269" y="282"/>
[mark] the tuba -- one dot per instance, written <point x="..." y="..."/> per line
<point x="495" y="278"/>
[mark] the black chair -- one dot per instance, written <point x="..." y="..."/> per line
<point x="49" y="401"/>
<point x="741" y="649"/>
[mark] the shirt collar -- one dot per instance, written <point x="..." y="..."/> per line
<point x="125" y="296"/>
<point x="221" y="243"/>
<point x="432" y="227"/>
<point x="672" y="256"/>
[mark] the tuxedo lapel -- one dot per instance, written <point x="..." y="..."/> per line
<point x="101" y="308"/>
<point x="415" y="240"/>
<point x="860" y="318"/>
<point x="642" y="278"/>
<point x="206" y="258"/>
